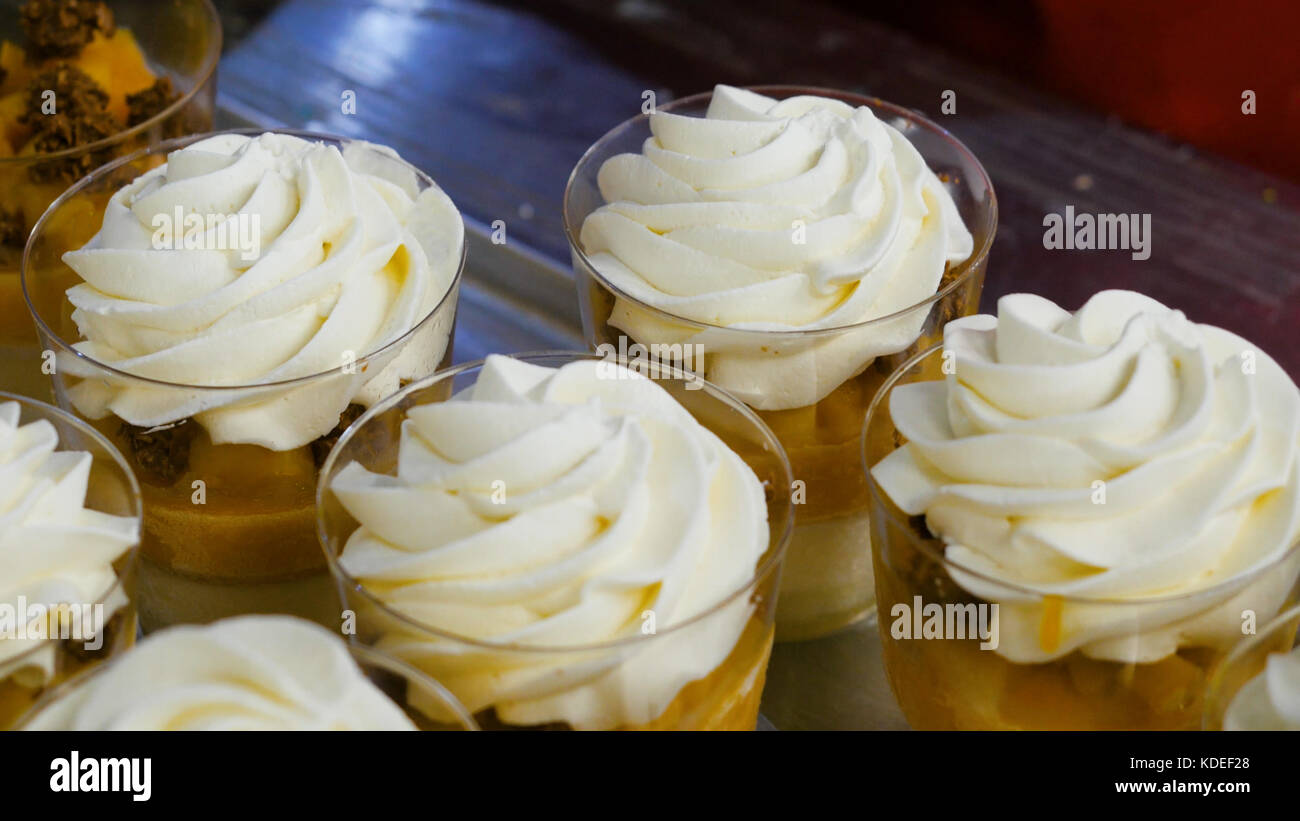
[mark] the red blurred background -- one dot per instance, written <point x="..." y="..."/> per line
<point x="1174" y="66"/>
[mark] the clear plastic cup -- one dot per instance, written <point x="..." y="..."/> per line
<point x="26" y="675"/>
<point x="827" y="582"/>
<point x="228" y="528"/>
<point x="726" y="698"/>
<point x="181" y="40"/>
<point x="958" y="682"/>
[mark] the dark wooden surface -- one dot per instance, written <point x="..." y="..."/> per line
<point x="498" y="102"/>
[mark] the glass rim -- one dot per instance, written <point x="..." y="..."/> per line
<point x="374" y="657"/>
<point x="966" y="269"/>
<point x="360" y="653"/>
<point x="877" y="406"/>
<point x="297" y="381"/>
<point x="1243" y="648"/>
<point x="211" y="58"/>
<point x="778" y="543"/>
<point x="132" y="555"/>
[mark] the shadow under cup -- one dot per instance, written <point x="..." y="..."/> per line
<point x="181" y="39"/>
<point x="826" y="583"/>
<point x="726" y="698"/>
<point x="228" y="528"/>
<point x="945" y="680"/>
<point x="26" y="676"/>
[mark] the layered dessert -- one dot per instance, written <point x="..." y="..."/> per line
<point x="566" y="548"/>
<point x="247" y="673"/>
<point x="1118" y="489"/>
<point x="240" y="305"/>
<point x="64" y="565"/>
<point x="791" y="251"/>
<point x="76" y="90"/>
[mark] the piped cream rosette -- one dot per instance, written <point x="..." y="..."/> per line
<point x="545" y="510"/>
<point x="1121" y="481"/>
<point x="766" y="215"/>
<point x="349" y="255"/>
<point x="246" y="673"/>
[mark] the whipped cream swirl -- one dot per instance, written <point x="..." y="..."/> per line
<point x="559" y="508"/>
<point x="53" y="549"/>
<point x="766" y="215"/>
<point x="255" y="260"/>
<point x="246" y="673"/>
<point x="1271" y="700"/>
<point x="1121" y="453"/>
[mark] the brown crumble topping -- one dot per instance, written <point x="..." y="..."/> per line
<point x="62" y="28"/>
<point x="320" y="449"/>
<point x="145" y="105"/>
<point x="949" y="274"/>
<point x="64" y="133"/>
<point x="80" y="118"/>
<point x="13" y="228"/>
<point x="161" y="455"/>
<point x="75" y="95"/>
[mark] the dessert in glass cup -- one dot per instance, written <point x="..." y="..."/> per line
<point x="566" y="542"/>
<point x="69" y="530"/>
<point x="246" y="673"/>
<point x="1257" y="687"/>
<point x="222" y="307"/>
<point x="791" y="246"/>
<point x="80" y="84"/>
<point x="1077" y="515"/>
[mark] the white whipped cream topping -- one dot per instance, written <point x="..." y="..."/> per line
<point x="348" y="256"/>
<point x="766" y="215"/>
<point x="246" y="673"/>
<point x="1119" y="453"/>
<point x="53" y="550"/>
<point x="1271" y="700"/>
<point x="556" y="508"/>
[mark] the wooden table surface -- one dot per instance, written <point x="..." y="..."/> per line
<point x="498" y="102"/>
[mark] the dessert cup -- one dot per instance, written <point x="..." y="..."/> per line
<point x="702" y="671"/>
<point x="181" y="40"/>
<point x="945" y="680"/>
<point x="228" y="517"/>
<point x="37" y="664"/>
<point x="399" y="682"/>
<point x="826" y="583"/>
<point x="1229" y="701"/>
